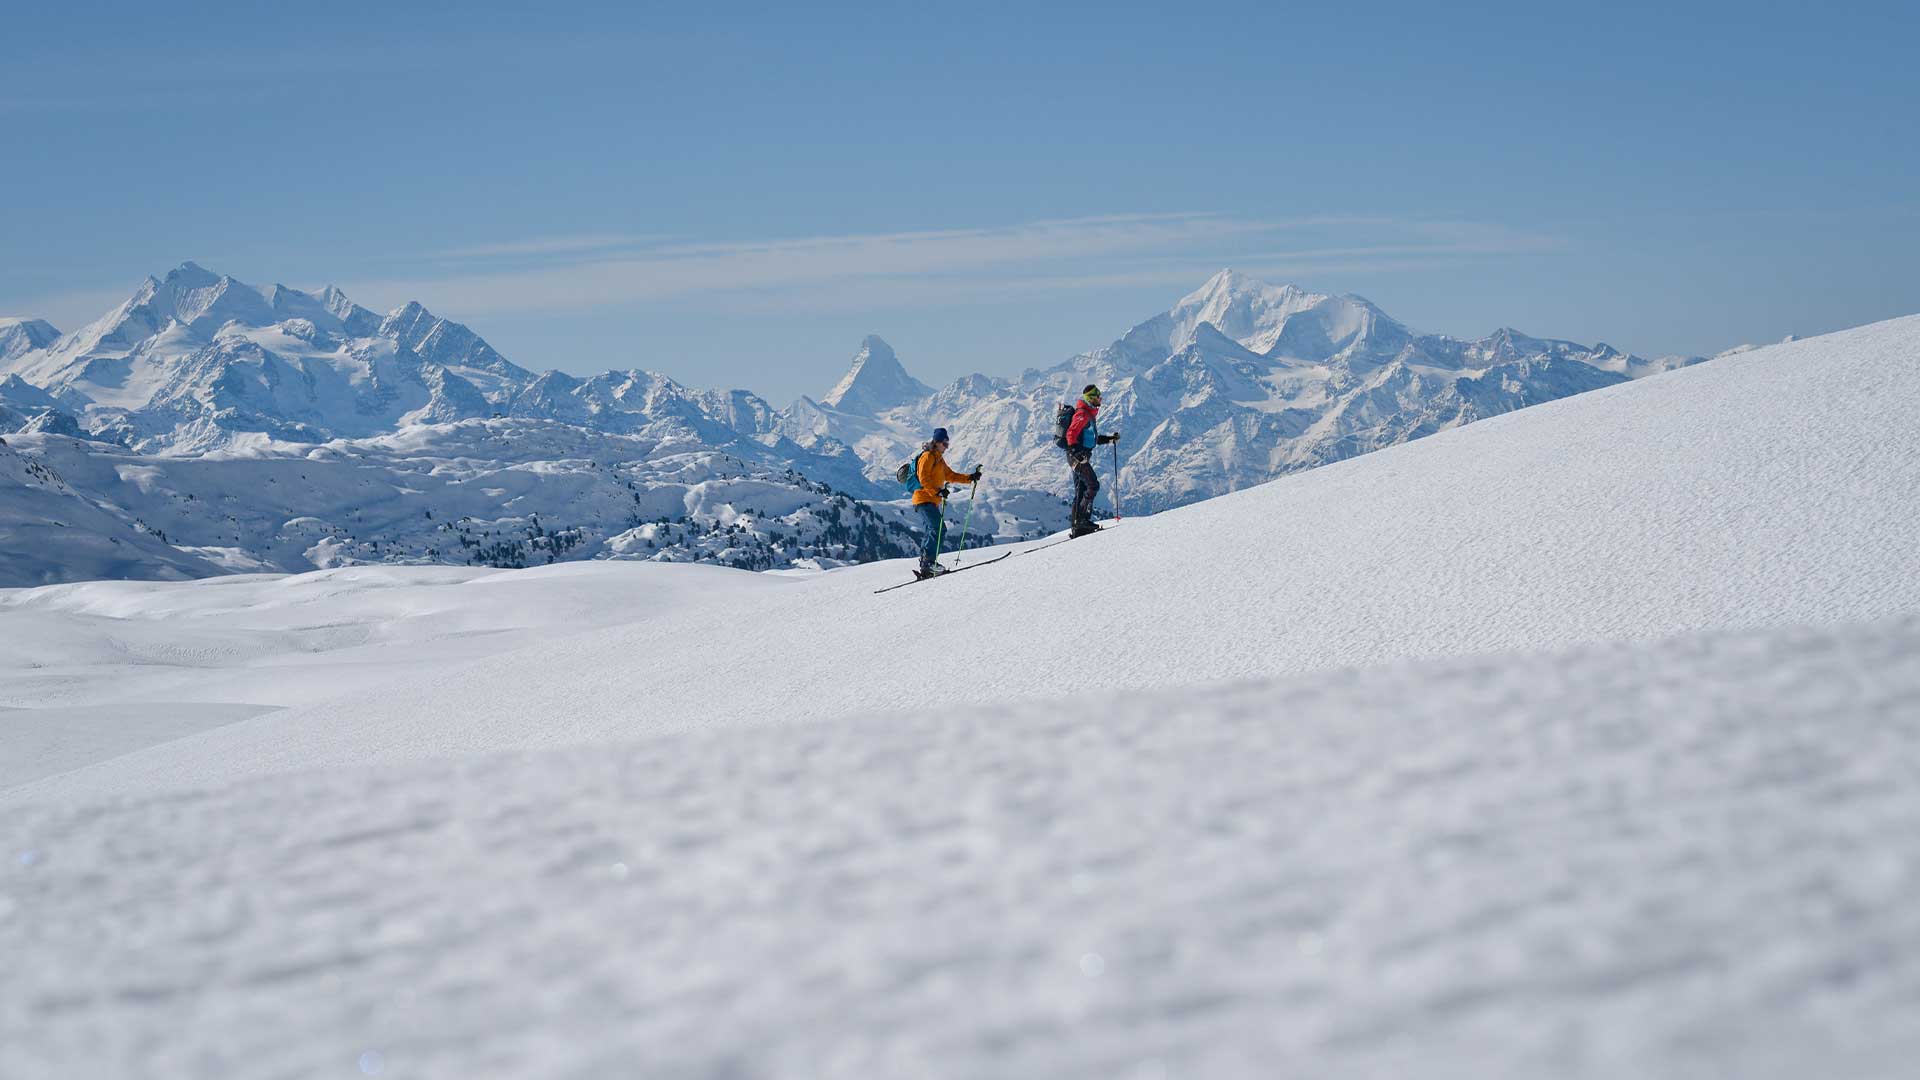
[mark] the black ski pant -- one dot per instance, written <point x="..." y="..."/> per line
<point x="1085" y="486"/>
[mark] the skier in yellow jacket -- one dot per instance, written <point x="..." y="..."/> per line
<point x="930" y="497"/>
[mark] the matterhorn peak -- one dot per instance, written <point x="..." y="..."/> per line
<point x="875" y="382"/>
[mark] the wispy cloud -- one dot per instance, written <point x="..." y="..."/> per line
<point x="873" y="271"/>
<point x="600" y="270"/>
<point x="550" y="245"/>
<point x="599" y="278"/>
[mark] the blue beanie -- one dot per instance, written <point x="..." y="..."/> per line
<point x="940" y="435"/>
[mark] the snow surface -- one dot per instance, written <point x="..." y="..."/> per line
<point x="1578" y="741"/>
<point x="46" y="742"/>
<point x="277" y="641"/>
<point x="1684" y="859"/>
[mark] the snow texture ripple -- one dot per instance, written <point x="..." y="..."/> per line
<point x="1689" y="858"/>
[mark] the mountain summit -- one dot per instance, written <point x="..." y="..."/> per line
<point x="21" y="336"/>
<point x="876" y="382"/>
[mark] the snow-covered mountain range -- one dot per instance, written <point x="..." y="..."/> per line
<point x="1237" y="383"/>
<point x="198" y="361"/>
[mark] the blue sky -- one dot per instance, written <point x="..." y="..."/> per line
<point x="736" y="197"/>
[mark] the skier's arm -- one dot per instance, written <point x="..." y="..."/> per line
<point x="955" y="477"/>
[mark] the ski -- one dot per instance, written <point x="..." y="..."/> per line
<point x="1067" y="539"/>
<point x="949" y="573"/>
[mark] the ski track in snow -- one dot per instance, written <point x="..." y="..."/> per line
<point x="1578" y="741"/>
<point x="1688" y="858"/>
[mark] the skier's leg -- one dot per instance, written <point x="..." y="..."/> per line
<point x="1085" y="486"/>
<point x="1082" y="494"/>
<point x="1079" y="489"/>
<point x="930" y="547"/>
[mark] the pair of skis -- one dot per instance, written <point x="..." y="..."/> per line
<point x="976" y="566"/>
<point x="947" y="573"/>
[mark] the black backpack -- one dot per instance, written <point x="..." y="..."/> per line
<point x="1062" y="419"/>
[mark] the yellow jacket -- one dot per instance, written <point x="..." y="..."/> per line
<point x="934" y="472"/>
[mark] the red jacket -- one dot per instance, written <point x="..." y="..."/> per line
<point x="1083" y="416"/>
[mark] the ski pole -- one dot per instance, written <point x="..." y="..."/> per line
<point x="1116" y="478"/>
<point x="966" y="526"/>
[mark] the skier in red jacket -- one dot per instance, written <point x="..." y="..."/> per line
<point x="1083" y="434"/>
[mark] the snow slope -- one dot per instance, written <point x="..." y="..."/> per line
<point x="280" y="641"/>
<point x="1579" y="741"/>
<point x="49" y="532"/>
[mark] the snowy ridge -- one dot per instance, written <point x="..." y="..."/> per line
<point x="23" y="404"/>
<point x="50" y="532"/>
<point x="1574" y="742"/>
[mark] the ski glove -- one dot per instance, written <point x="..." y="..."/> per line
<point x="976" y="474"/>
<point x="1105" y="439"/>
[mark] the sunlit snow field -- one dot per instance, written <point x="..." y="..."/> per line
<point x="1579" y="741"/>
